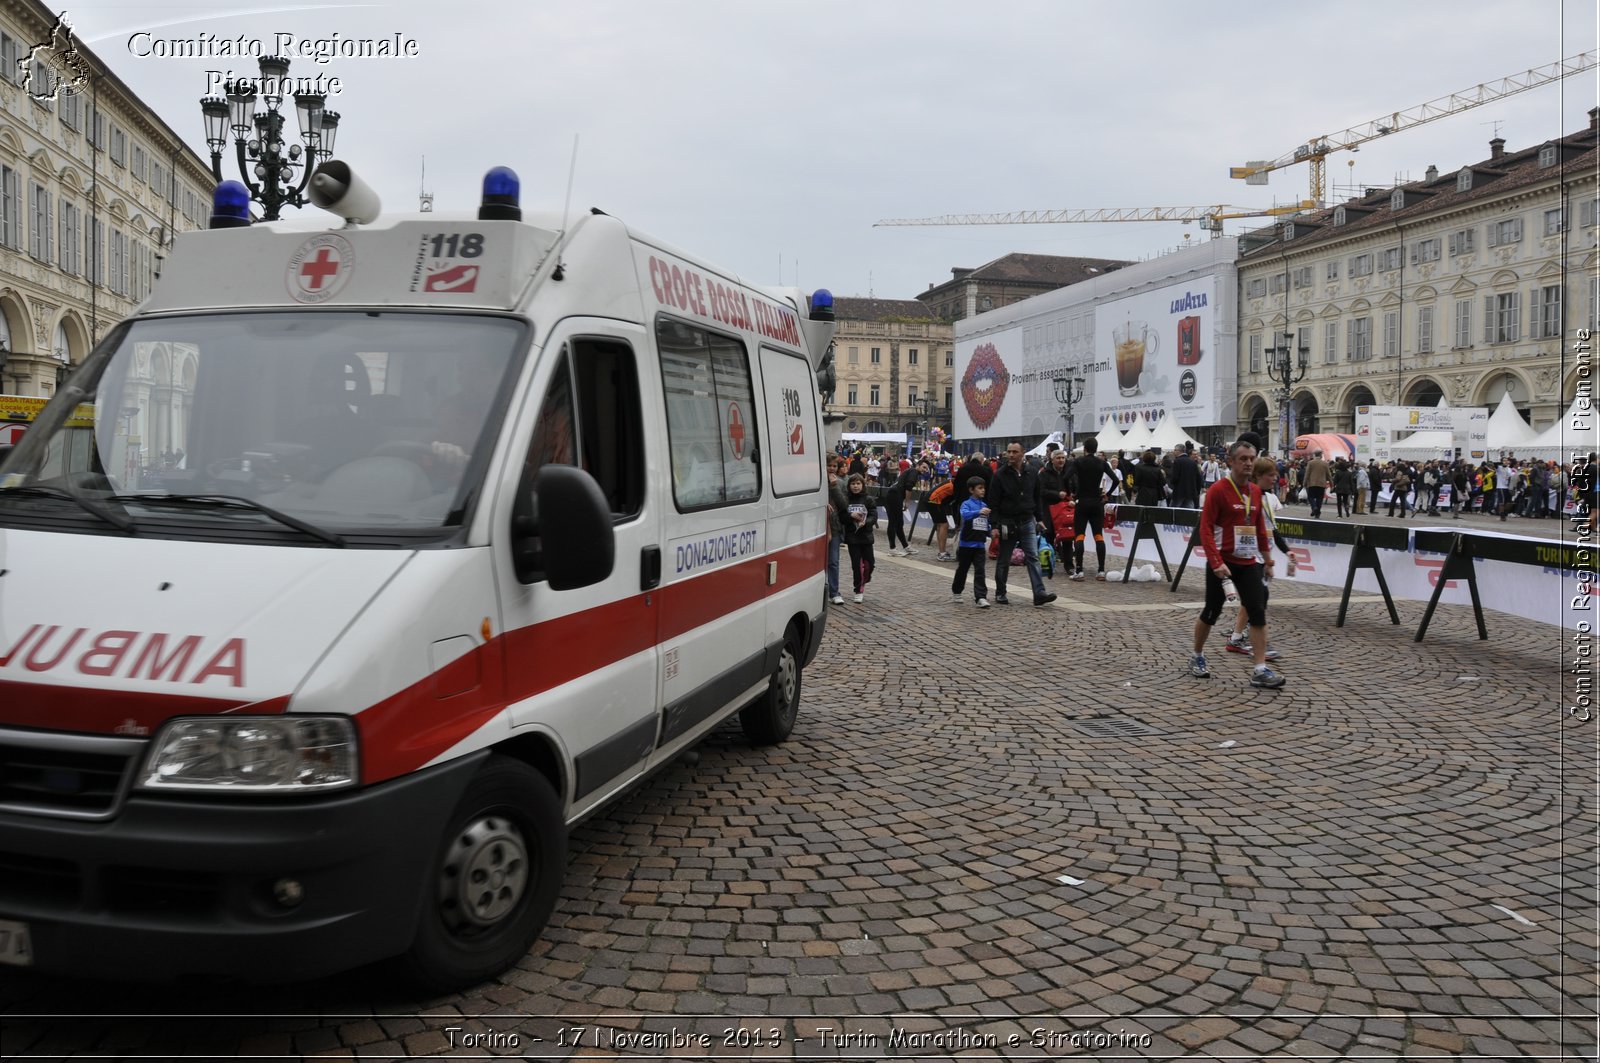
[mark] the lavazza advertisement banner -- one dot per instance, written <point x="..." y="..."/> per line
<point x="1155" y="352"/>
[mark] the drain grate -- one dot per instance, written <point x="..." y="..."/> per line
<point x="1113" y="727"/>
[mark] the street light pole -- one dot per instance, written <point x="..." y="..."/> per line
<point x="1069" y="389"/>
<point x="265" y="156"/>
<point x="1287" y="364"/>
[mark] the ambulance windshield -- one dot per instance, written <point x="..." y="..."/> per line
<point x="358" y="427"/>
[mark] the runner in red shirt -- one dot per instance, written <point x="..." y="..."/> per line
<point x="1233" y="530"/>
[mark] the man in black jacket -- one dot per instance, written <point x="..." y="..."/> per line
<point x="1091" y="473"/>
<point x="1053" y="489"/>
<point x="1014" y="503"/>
<point x="896" y="504"/>
<point x="1186" y="479"/>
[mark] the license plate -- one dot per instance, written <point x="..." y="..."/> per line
<point x="15" y="947"/>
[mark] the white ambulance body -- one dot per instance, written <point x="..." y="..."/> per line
<point x="407" y="545"/>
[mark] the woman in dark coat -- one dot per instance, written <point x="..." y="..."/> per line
<point x="1149" y="482"/>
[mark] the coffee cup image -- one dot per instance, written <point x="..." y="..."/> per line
<point x="1134" y="341"/>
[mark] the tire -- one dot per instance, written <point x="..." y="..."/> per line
<point x="508" y="837"/>
<point x="770" y="718"/>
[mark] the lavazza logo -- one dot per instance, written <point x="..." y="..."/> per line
<point x="53" y="66"/>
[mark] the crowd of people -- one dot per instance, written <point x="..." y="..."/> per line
<point x="1528" y="488"/>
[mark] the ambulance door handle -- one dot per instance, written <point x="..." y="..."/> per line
<point x="649" y="568"/>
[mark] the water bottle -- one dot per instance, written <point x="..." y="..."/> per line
<point x="1228" y="592"/>
<point x="1290" y="571"/>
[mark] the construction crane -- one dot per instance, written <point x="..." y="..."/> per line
<point x="1210" y="218"/>
<point x="1316" y="149"/>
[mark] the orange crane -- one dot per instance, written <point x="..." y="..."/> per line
<point x="1210" y="218"/>
<point x="1317" y="149"/>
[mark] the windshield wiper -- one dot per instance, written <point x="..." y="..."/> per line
<point x="109" y="516"/>
<point x="239" y="502"/>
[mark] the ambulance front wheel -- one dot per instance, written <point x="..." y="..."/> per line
<point x="494" y="881"/>
<point x="770" y="718"/>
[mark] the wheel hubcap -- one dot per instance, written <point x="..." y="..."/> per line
<point x="788" y="680"/>
<point x="485" y="874"/>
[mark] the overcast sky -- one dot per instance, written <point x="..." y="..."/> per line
<point x="767" y="137"/>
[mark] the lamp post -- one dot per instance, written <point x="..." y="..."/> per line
<point x="1286" y="364"/>
<point x="926" y="405"/>
<point x="1069" y="389"/>
<point x="258" y="136"/>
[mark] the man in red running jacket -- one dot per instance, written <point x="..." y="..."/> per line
<point x="1233" y="530"/>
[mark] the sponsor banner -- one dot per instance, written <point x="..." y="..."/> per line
<point x="1160" y="357"/>
<point x="1539" y="592"/>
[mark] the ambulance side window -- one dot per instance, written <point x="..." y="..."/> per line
<point x="711" y="423"/>
<point x="590" y="418"/>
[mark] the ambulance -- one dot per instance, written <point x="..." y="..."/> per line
<point x="460" y="528"/>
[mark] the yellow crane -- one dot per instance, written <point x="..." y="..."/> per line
<point x="1316" y="149"/>
<point x="1210" y="218"/>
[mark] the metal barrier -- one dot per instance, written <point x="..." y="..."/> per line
<point x="1461" y="548"/>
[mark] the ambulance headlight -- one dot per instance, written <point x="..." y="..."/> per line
<point x="253" y="754"/>
<point x="230" y="205"/>
<point x="502" y="195"/>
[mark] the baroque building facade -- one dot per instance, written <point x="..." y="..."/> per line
<point x="890" y="355"/>
<point x="1462" y="286"/>
<point x="92" y="185"/>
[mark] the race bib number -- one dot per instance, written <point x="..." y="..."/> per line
<point x="858" y="512"/>
<point x="1244" y="541"/>
<point x="980" y="524"/>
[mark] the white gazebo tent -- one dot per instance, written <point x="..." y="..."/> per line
<point x="1168" y="436"/>
<point x="1108" y="436"/>
<point x="1507" y="429"/>
<point x="1561" y="441"/>
<point x="1135" y="440"/>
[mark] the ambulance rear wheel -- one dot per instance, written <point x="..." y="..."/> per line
<point x="494" y="880"/>
<point x="770" y="718"/>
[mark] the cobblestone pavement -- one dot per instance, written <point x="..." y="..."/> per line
<point x="1027" y="833"/>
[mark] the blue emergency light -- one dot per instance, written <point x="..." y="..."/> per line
<point x="230" y="206"/>
<point x="822" y="305"/>
<point x="502" y="194"/>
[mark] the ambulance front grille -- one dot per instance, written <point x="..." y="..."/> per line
<point x="79" y="776"/>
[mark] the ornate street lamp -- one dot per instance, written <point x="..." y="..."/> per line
<point x="1069" y="389"/>
<point x="266" y="163"/>
<point x="1286" y="364"/>
<point x="926" y="405"/>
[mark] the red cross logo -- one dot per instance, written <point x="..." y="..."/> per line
<point x="736" y="430"/>
<point x="318" y="269"/>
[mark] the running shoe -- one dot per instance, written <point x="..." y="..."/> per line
<point x="1077" y="576"/>
<point x="836" y="600"/>
<point x="1265" y="677"/>
<point x="860" y="598"/>
<point x="955" y="599"/>
<point x="1001" y="599"/>
<point x="1198" y="667"/>
<point x="983" y="603"/>
<point x="1239" y="645"/>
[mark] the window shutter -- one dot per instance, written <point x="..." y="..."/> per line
<point x="1494" y="236"/>
<point x="1488" y="319"/>
<point x="1516" y="318"/>
<point x="1516" y="230"/>
<point x="1350" y="340"/>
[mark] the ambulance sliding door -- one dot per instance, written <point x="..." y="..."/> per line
<point x="585" y="661"/>
<point x="713" y="583"/>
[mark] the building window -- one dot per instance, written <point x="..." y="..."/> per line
<point x="158" y="178"/>
<point x="10" y="208"/>
<point x="1333" y="270"/>
<point x="1464" y="181"/>
<point x="852" y="400"/>
<point x="1425" y="250"/>
<point x="1501" y="315"/>
<point x="855" y="355"/>
<point x="119" y="263"/>
<point x="1330" y="343"/>
<point x="71" y="110"/>
<point x="877" y="355"/>
<point x="71" y="239"/>
<point x="873" y="396"/>
<point x="1554" y="221"/>
<point x="119" y="146"/>
<point x="41" y="81"/>
<point x="1361" y="266"/>
<point x="947" y="393"/>
<point x="97" y="254"/>
<point x="1255" y="352"/>
<point x="1279" y="282"/>
<point x="138" y="162"/>
<point x="1462" y="240"/>
<point x="1547" y="313"/>
<point x="1505" y="232"/>
<point x="1391" y="335"/>
<point x="39" y="223"/>
<point x="1302" y="277"/>
<point x="1339" y="216"/>
<point x="1463" y="336"/>
<point x="1424" y="330"/>
<point x="1547" y="156"/>
<point x="949" y="361"/>
<point x="1256" y="288"/>
<point x="1360" y="345"/>
<point x="1397" y="200"/>
<point x="986" y="303"/>
<point x="10" y="53"/>
<point x="911" y="356"/>
<point x="1388" y="259"/>
<point x="911" y="396"/>
<point x="1587" y="212"/>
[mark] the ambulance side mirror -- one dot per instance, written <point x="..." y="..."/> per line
<point x="577" y="547"/>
